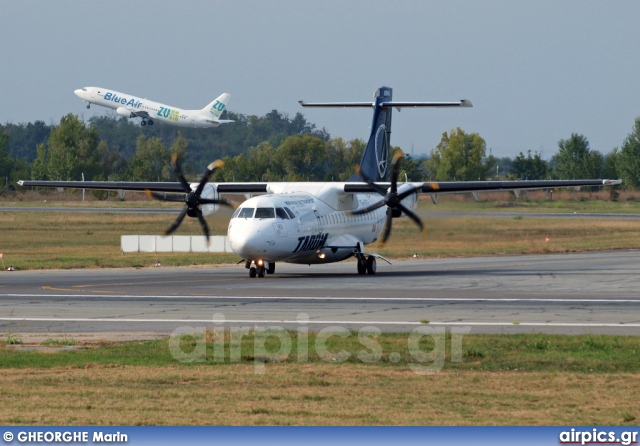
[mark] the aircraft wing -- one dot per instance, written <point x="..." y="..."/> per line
<point x="140" y="113"/>
<point x="229" y="188"/>
<point x="458" y="187"/>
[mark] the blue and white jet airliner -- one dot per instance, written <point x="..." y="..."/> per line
<point x="316" y="223"/>
<point x="135" y="107"/>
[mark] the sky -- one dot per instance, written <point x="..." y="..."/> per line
<point x="536" y="71"/>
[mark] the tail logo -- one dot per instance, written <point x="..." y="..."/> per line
<point x="382" y="150"/>
<point x="217" y="108"/>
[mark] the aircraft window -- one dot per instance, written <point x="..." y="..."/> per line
<point x="265" y="213"/>
<point x="291" y="214"/>
<point x="280" y="213"/>
<point x="235" y="214"/>
<point x="246" y="213"/>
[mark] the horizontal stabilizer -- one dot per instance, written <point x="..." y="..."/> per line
<point x="336" y="104"/>
<point x="395" y="104"/>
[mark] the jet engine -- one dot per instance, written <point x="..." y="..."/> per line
<point x="122" y="111"/>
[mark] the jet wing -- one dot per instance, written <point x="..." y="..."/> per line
<point x="229" y="188"/>
<point x="460" y="187"/>
<point x="140" y="113"/>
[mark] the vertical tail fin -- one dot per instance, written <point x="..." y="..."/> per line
<point x="215" y="109"/>
<point x="375" y="160"/>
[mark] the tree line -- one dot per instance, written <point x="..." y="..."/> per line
<point x="275" y="147"/>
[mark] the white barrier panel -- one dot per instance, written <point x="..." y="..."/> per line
<point x="217" y="243"/>
<point x="129" y="243"/>
<point x="147" y="243"/>
<point x="175" y="243"/>
<point x="199" y="244"/>
<point x="181" y="243"/>
<point x="164" y="243"/>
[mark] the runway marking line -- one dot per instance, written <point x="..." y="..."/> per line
<point x="296" y="322"/>
<point x="313" y="298"/>
<point x="47" y="287"/>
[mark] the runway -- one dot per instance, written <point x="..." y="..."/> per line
<point x="578" y="293"/>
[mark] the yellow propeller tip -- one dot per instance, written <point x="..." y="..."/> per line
<point x="148" y="193"/>
<point x="218" y="163"/>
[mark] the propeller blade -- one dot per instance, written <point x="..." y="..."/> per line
<point x="381" y="190"/>
<point x="413" y="217"/>
<point x="387" y="227"/>
<point x="373" y="207"/>
<point x="207" y="175"/>
<point x="178" y="171"/>
<point x="176" y="223"/>
<point x="162" y="197"/>
<point x="395" y="170"/>
<point x="405" y="194"/>
<point x="203" y="223"/>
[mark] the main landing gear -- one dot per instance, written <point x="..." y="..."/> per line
<point x="144" y="122"/>
<point x="366" y="265"/>
<point x="259" y="268"/>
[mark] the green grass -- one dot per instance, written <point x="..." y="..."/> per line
<point x="490" y="353"/>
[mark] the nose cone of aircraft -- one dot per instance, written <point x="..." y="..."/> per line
<point x="251" y="241"/>
<point x="81" y="93"/>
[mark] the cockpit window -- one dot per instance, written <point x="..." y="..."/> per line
<point x="246" y="212"/>
<point x="265" y="213"/>
<point x="280" y="213"/>
<point x="291" y="214"/>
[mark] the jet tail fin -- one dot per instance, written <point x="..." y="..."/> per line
<point x="214" y="109"/>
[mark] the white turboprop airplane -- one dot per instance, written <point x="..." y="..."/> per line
<point x="316" y="223"/>
<point x="135" y="107"/>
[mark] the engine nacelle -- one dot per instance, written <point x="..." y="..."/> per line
<point x="122" y="111"/>
<point x="210" y="191"/>
<point x="411" y="201"/>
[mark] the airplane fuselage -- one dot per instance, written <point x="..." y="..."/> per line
<point x="307" y="225"/>
<point x="131" y="106"/>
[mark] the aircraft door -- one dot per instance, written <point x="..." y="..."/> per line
<point x="319" y="220"/>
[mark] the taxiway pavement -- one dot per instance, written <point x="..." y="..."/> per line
<point x="577" y="293"/>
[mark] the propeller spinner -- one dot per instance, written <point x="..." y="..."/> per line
<point x="391" y="198"/>
<point x="192" y="198"/>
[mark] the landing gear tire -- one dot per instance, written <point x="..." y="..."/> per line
<point x="261" y="271"/>
<point x="252" y="272"/>
<point x="150" y="121"/>
<point x="362" y="267"/>
<point x="143" y="123"/>
<point x="371" y="265"/>
<point x="272" y="268"/>
<point x="88" y="106"/>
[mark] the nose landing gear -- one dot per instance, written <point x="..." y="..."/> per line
<point x="259" y="268"/>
